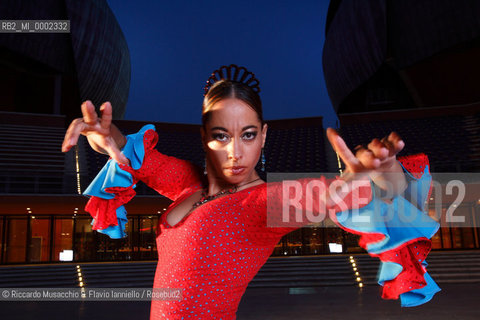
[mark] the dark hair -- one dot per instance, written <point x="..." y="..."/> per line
<point x="224" y="89"/>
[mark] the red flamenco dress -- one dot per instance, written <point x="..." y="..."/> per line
<point x="212" y="254"/>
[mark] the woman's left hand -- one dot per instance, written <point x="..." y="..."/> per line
<point x="378" y="159"/>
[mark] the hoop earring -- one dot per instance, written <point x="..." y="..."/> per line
<point x="205" y="167"/>
<point x="263" y="161"/>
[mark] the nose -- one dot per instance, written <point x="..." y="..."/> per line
<point x="234" y="150"/>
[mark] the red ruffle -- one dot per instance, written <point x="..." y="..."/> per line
<point x="410" y="254"/>
<point x="104" y="211"/>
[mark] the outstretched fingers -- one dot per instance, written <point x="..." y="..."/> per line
<point x="367" y="158"/>
<point x="73" y="133"/>
<point x="378" y="148"/>
<point x="106" y="119"/>
<point x="89" y="114"/>
<point x="342" y="149"/>
<point x="396" y="141"/>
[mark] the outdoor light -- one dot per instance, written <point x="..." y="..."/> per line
<point x="335" y="247"/>
<point x="66" y="255"/>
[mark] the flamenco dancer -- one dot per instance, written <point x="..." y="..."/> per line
<point x="215" y="236"/>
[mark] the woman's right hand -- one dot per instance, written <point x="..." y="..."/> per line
<point x="102" y="135"/>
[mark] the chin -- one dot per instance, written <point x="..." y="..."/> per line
<point x="234" y="178"/>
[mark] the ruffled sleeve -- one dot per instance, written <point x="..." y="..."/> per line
<point x="399" y="235"/>
<point x="114" y="185"/>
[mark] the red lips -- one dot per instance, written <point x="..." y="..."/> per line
<point x="236" y="169"/>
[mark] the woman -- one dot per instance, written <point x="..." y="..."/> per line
<point x="220" y="228"/>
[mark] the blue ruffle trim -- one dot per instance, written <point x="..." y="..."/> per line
<point x="112" y="176"/>
<point x="116" y="232"/>
<point x="400" y="222"/>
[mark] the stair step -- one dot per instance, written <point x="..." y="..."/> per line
<point x="306" y="271"/>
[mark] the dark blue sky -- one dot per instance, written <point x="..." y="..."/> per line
<point x="175" y="45"/>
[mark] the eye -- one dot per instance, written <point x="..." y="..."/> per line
<point x="250" y="135"/>
<point x="220" y="137"/>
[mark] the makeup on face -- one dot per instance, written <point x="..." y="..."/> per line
<point x="234" y="139"/>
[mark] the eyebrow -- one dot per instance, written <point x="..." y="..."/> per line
<point x="243" y="129"/>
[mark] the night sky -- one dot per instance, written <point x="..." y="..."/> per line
<point x="175" y="45"/>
